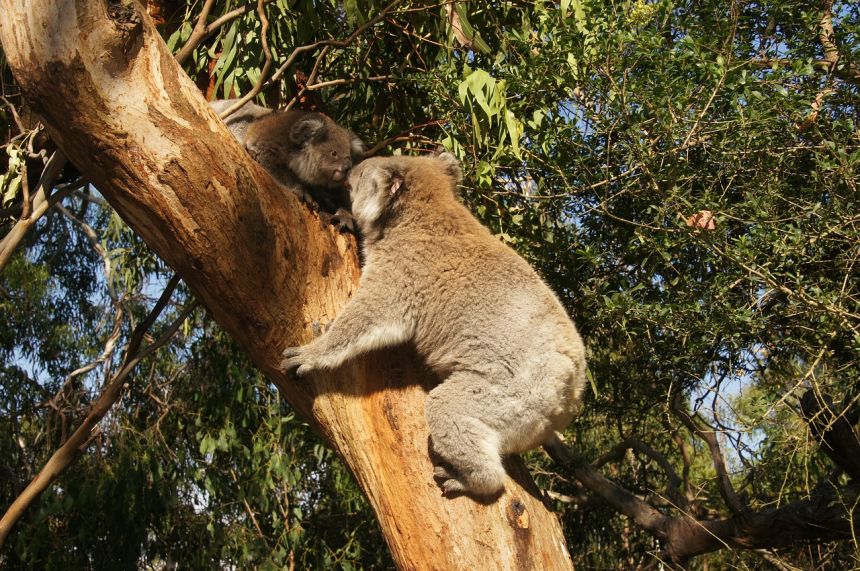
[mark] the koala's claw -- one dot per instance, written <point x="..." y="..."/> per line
<point x="441" y="473"/>
<point x="452" y="487"/>
<point x="292" y="360"/>
<point x="304" y="370"/>
<point x="344" y="221"/>
<point x="447" y="481"/>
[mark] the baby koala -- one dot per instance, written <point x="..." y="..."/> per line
<point x="306" y="152"/>
<point x="511" y="361"/>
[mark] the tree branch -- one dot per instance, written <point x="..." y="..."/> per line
<point x="267" y="65"/>
<point x="619" y="498"/>
<point x="66" y="454"/>
<point x="42" y="201"/>
<point x="404" y="135"/>
<point x="93" y="239"/>
<point x="202" y="30"/>
<point x="829" y="513"/>
<point x="724" y="482"/>
<point x="826" y="35"/>
<point x="834" y="430"/>
<point x="302" y="49"/>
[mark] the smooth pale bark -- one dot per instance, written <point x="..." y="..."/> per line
<point x="126" y="115"/>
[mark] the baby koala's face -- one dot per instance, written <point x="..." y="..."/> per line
<point x="333" y="156"/>
<point x="324" y="151"/>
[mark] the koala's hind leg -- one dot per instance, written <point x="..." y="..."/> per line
<point x="467" y="447"/>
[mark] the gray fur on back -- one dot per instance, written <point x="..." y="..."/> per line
<point x="239" y="121"/>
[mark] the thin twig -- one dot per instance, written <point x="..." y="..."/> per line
<point x="310" y="79"/>
<point x="404" y="135"/>
<point x="724" y="483"/>
<point x="334" y="43"/>
<point x="94" y="241"/>
<point x="202" y="30"/>
<point x="14" y="111"/>
<point x="847" y="316"/>
<point x="107" y="352"/>
<point x="302" y="49"/>
<point x="345" y="80"/>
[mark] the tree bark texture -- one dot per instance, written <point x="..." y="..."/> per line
<point x="268" y="271"/>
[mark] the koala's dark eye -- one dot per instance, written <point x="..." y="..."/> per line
<point x="334" y="153"/>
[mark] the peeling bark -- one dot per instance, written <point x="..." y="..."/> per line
<point x="128" y="117"/>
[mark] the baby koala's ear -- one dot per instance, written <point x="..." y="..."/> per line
<point x="308" y="128"/>
<point x="451" y="166"/>
<point x="357" y="148"/>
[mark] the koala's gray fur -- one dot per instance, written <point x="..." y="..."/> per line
<point x="306" y="152"/>
<point x="239" y="121"/>
<point x="512" y="362"/>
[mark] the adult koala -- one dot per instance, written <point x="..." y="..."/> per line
<point x="511" y="361"/>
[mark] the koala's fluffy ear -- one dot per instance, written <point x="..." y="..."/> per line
<point x="392" y="180"/>
<point x="357" y="148"/>
<point x="307" y="129"/>
<point x="451" y="166"/>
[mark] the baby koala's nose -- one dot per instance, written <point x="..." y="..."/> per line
<point x="342" y="171"/>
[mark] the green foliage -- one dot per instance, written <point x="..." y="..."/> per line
<point x="591" y="134"/>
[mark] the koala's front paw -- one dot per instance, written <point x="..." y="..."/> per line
<point x="295" y="361"/>
<point x="344" y="221"/>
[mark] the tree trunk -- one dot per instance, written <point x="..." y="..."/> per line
<point x="129" y="118"/>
